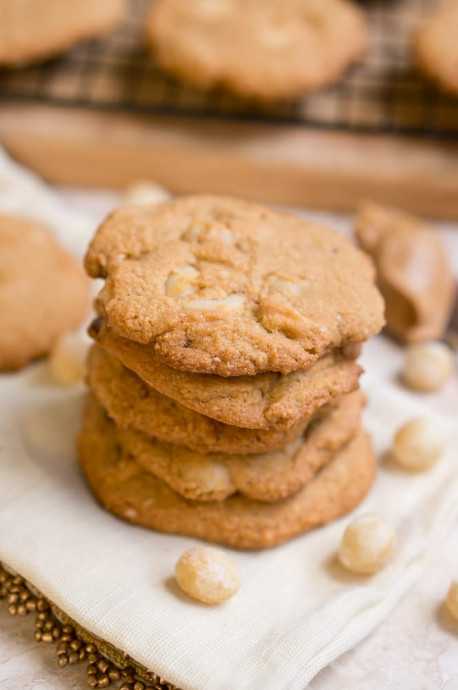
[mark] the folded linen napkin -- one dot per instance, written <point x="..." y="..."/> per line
<point x="296" y="611"/>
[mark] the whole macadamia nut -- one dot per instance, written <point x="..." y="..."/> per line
<point x="368" y="544"/>
<point x="207" y="575"/>
<point x="67" y="359"/>
<point x="428" y="366"/>
<point x="419" y="444"/>
<point x="451" y="603"/>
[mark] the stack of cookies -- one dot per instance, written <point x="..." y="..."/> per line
<point x="225" y="401"/>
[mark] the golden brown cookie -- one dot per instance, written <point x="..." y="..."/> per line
<point x="32" y="30"/>
<point x="260" y="49"/>
<point x="413" y="271"/>
<point x="125" y="489"/>
<point x="43" y="292"/>
<point x="265" y="401"/>
<point x="270" y="476"/>
<point x="130" y="402"/>
<point x="436" y="46"/>
<point x="222" y="286"/>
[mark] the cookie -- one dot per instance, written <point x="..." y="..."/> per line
<point x="125" y="489"/>
<point x="265" y="401"/>
<point x="130" y="402"/>
<point x="222" y="286"/>
<point x="436" y="46"/>
<point x="43" y="292"/>
<point x="261" y="49"/>
<point x="270" y="476"/>
<point x="413" y="272"/>
<point x="33" y="30"/>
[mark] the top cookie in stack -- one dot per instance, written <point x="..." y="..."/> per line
<point x="225" y="356"/>
<point x="215" y="285"/>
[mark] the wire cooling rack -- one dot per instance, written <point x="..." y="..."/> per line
<point x="382" y="94"/>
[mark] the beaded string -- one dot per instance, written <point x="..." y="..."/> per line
<point x="106" y="665"/>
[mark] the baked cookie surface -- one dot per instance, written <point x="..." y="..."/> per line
<point x="133" y="494"/>
<point x="32" y="30"/>
<point x="270" y="476"/>
<point x="261" y="49"/>
<point x="436" y="46"/>
<point x="216" y="285"/>
<point x="265" y="401"/>
<point x="43" y="292"/>
<point x="131" y="403"/>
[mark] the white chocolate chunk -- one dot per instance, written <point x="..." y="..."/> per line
<point x="179" y="282"/>
<point x="233" y="302"/>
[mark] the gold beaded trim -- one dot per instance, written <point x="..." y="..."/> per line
<point x="105" y="664"/>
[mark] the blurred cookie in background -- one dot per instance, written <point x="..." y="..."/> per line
<point x="43" y="292"/>
<point x="264" y="50"/>
<point x="436" y="46"/>
<point x="413" y="272"/>
<point x="34" y="30"/>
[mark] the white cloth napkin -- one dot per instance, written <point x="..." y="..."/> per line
<point x="296" y="611"/>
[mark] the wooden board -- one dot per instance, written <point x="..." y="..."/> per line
<point x="274" y="163"/>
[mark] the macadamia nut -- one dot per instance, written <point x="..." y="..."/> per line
<point x="428" y="366"/>
<point x="368" y="544"/>
<point x="419" y="444"/>
<point x="145" y="193"/>
<point x="207" y="575"/>
<point x="451" y="603"/>
<point x="67" y="359"/>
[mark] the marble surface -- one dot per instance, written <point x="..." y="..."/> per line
<point x="416" y="647"/>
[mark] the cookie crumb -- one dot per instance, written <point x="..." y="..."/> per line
<point x="207" y="575"/>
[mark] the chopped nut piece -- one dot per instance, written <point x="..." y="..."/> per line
<point x="202" y="477"/>
<point x="419" y="444"/>
<point x="207" y="575"/>
<point x="428" y="366"/>
<point x="227" y="237"/>
<point x="368" y="544"/>
<point x="192" y="233"/>
<point x="352" y="351"/>
<point x="178" y="283"/>
<point x="285" y="285"/>
<point x="232" y="302"/>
